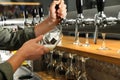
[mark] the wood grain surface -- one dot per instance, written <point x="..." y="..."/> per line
<point x="92" y="51"/>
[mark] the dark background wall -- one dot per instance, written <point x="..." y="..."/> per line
<point x="88" y="8"/>
<point x="71" y="6"/>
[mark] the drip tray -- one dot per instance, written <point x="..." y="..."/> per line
<point x="25" y="77"/>
<point x="23" y="73"/>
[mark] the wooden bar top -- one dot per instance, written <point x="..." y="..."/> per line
<point x="92" y="51"/>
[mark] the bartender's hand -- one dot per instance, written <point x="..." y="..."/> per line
<point x="31" y="50"/>
<point x="53" y="19"/>
<point x="61" y="12"/>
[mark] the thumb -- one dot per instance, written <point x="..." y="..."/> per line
<point x="39" y="38"/>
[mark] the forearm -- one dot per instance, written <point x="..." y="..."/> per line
<point x="53" y="19"/>
<point x="45" y="26"/>
<point x="16" y="60"/>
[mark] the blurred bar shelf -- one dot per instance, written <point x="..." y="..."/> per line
<point x="19" y="3"/>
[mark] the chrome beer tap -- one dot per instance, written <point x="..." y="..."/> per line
<point x="79" y="20"/>
<point x="34" y="13"/>
<point x="100" y="18"/>
<point x="25" y="13"/>
<point x="3" y="19"/>
<point x="101" y="21"/>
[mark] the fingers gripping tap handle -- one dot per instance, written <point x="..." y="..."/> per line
<point x="57" y="7"/>
<point x="79" y="6"/>
<point x="100" y="5"/>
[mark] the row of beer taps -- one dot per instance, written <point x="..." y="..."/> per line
<point x="37" y="16"/>
<point x="35" y="12"/>
<point x="99" y="21"/>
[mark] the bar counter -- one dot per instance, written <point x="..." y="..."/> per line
<point x="102" y="65"/>
<point x="92" y="51"/>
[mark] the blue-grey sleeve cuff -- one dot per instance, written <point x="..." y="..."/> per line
<point x="6" y="70"/>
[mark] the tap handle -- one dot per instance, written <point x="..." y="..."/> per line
<point x="34" y="12"/>
<point x="41" y="12"/>
<point x="79" y="6"/>
<point x="100" y="5"/>
<point x="57" y="7"/>
<point x="26" y="14"/>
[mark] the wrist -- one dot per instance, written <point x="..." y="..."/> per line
<point x="16" y="60"/>
<point x="21" y="54"/>
<point x="53" y="21"/>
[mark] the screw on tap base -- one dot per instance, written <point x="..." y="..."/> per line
<point x="103" y="48"/>
<point x="118" y="51"/>
<point x="77" y="43"/>
<point x="86" y="45"/>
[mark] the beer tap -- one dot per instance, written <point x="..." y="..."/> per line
<point x="79" y="20"/>
<point x="79" y="6"/>
<point x="40" y="12"/>
<point x="100" y="18"/>
<point x="101" y="21"/>
<point x="25" y="13"/>
<point x="3" y="19"/>
<point x="34" y="13"/>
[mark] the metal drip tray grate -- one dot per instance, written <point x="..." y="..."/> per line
<point x="25" y="74"/>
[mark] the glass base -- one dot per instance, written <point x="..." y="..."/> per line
<point x="86" y="45"/>
<point x="76" y="43"/>
<point x="83" y="76"/>
<point x="103" y="48"/>
<point x="118" y="51"/>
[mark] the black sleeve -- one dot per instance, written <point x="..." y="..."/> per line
<point x="10" y="40"/>
<point x="6" y="71"/>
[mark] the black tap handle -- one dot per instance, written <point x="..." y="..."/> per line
<point x="34" y="12"/>
<point x="79" y="6"/>
<point x="41" y="12"/>
<point x="26" y="14"/>
<point x="57" y="7"/>
<point x="100" y="5"/>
